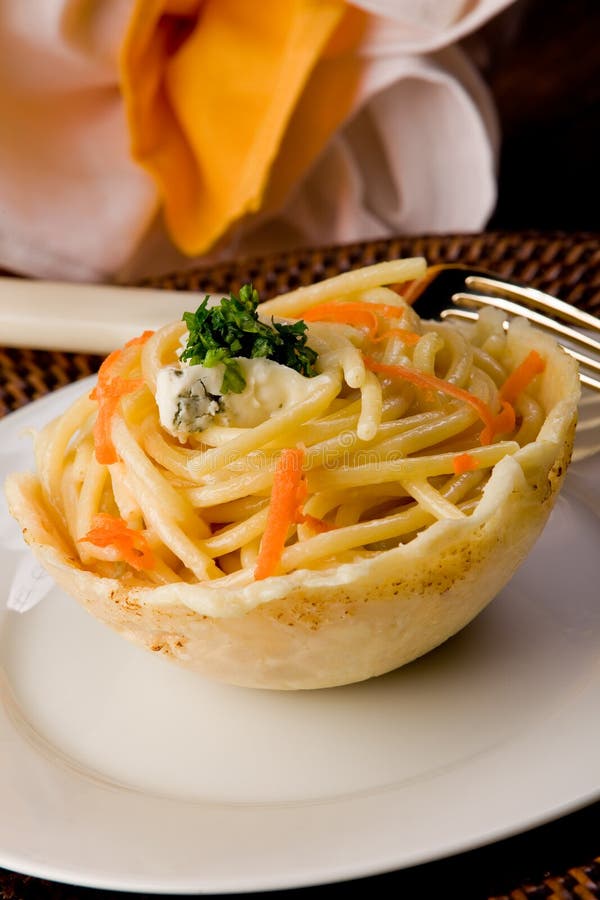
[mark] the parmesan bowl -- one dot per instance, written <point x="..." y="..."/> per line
<point x="406" y="525"/>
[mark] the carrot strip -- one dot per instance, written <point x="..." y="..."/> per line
<point x="522" y="376"/>
<point x="118" y="358"/>
<point x="362" y="315"/>
<point x="432" y="382"/>
<point x="464" y="462"/>
<point x="504" y="422"/>
<point x="318" y="525"/>
<point x="133" y="546"/>
<point x="409" y="337"/>
<point x="283" y="509"/>
<point x="110" y="387"/>
<point x="358" y="314"/>
<point x="108" y="400"/>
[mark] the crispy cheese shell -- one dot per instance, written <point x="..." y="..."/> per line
<point x="353" y="621"/>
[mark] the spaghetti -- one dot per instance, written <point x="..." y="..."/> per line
<point x="397" y="431"/>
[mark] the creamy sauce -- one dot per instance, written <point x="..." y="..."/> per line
<point x="189" y="398"/>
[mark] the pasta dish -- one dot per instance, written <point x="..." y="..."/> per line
<point x="308" y="491"/>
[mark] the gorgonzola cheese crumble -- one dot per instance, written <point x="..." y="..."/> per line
<point x="189" y="398"/>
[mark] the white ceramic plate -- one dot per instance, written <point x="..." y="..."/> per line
<point x="119" y="770"/>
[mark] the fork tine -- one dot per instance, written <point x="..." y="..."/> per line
<point x="531" y="296"/>
<point x="515" y="309"/>
<point x="589" y="381"/>
<point x="581" y="358"/>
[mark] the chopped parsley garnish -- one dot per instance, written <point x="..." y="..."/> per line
<point x="218" y="334"/>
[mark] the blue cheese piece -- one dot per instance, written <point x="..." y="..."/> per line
<point x="189" y="397"/>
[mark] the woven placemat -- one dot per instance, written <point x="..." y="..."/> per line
<point x="566" y="265"/>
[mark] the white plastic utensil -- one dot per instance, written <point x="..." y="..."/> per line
<point x="86" y="318"/>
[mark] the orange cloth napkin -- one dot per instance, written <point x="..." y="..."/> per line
<point x="208" y="112"/>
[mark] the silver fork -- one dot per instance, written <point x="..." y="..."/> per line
<point x="471" y="289"/>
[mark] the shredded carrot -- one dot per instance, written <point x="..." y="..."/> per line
<point x="109" y="389"/>
<point x="464" y="462"/>
<point x="287" y="489"/>
<point x="409" y="337"/>
<point x="288" y="496"/>
<point x="140" y="339"/>
<point x="432" y="382"/>
<point x="358" y="314"/>
<point x="522" y="376"/>
<point x="517" y="381"/>
<point x="361" y="315"/>
<point x="118" y="358"/>
<point x="504" y="423"/>
<point x="317" y="525"/>
<point x="133" y="546"/>
<point x="401" y="287"/>
<point x="108" y="399"/>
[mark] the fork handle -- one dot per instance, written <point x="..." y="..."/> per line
<point x="85" y="318"/>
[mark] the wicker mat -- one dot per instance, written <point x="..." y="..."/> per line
<point x="559" y="860"/>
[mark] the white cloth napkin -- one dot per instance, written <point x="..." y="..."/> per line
<point x="416" y="154"/>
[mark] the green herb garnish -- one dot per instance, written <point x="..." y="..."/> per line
<point x="218" y="334"/>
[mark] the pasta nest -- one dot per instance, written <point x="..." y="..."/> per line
<point x="411" y="549"/>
